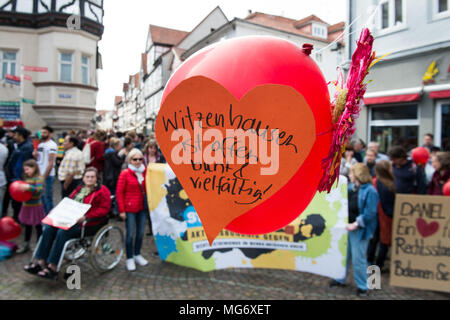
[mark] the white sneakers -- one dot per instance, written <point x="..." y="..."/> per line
<point x="140" y="260"/>
<point x="131" y="263"/>
<point x="131" y="266"/>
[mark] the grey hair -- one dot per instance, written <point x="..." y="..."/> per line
<point x="132" y="154"/>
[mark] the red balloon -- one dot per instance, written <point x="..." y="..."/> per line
<point x="420" y="155"/>
<point x="9" y="229"/>
<point x="241" y="64"/>
<point x="446" y="188"/>
<point x="17" y="194"/>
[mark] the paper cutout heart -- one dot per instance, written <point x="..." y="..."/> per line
<point x="224" y="192"/>
<point x="426" y="229"/>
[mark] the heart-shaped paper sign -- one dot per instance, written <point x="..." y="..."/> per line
<point x="426" y="229"/>
<point x="226" y="171"/>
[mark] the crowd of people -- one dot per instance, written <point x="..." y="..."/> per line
<point x="107" y="170"/>
<point x="374" y="180"/>
<point x="104" y="169"/>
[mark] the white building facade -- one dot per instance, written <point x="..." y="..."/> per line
<point x="35" y="33"/>
<point x="409" y="95"/>
<point x="167" y="49"/>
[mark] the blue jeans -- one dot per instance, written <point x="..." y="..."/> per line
<point x="52" y="242"/>
<point x="47" y="197"/>
<point x="356" y="253"/>
<point x="135" y="225"/>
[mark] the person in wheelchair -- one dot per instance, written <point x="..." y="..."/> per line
<point x="53" y="239"/>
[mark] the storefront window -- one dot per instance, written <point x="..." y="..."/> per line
<point x="405" y="136"/>
<point x="394" y="125"/>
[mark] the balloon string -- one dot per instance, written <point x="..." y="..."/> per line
<point x="348" y="29"/>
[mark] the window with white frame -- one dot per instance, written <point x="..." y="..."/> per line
<point x="85" y="62"/>
<point x="442" y="124"/>
<point x="391" y="14"/>
<point x="394" y="125"/>
<point x="8" y="63"/>
<point x="441" y="9"/>
<point x="319" y="31"/>
<point x="65" y="66"/>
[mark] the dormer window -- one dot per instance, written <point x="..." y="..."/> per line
<point x="319" y="30"/>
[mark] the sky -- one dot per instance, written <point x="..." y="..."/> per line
<point x="126" y="28"/>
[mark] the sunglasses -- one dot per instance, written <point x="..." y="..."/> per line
<point x="137" y="159"/>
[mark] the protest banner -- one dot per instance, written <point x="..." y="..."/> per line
<point x="315" y="242"/>
<point x="421" y="242"/>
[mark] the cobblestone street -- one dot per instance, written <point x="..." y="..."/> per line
<point x="161" y="280"/>
<point x="165" y="281"/>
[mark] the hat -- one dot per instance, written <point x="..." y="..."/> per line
<point x="22" y="131"/>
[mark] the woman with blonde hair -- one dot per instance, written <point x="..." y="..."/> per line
<point x="131" y="198"/>
<point x="362" y="205"/>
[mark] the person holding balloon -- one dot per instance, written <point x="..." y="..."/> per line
<point x="14" y="166"/>
<point x="32" y="212"/>
<point x="441" y="163"/>
<point x="409" y="177"/>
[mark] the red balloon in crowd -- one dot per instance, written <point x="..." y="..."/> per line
<point x="9" y="229"/>
<point x="17" y="194"/>
<point x="420" y="155"/>
<point x="446" y="189"/>
<point x="242" y="64"/>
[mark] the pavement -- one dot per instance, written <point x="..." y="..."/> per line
<point x="165" y="281"/>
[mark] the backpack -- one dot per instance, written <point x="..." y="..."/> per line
<point x="87" y="154"/>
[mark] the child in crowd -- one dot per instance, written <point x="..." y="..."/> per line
<point x="32" y="211"/>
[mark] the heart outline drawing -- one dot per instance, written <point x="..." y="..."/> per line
<point x="426" y="229"/>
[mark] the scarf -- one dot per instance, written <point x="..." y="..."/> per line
<point x="83" y="193"/>
<point x="139" y="172"/>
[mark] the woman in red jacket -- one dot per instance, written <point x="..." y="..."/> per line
<point x="53" y="239"/>
<point x="130" y="197"/>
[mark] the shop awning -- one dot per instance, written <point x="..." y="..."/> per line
<point x="442" y="94"/>
<point x="399" y="98"/>
<point x="11" y="124"/>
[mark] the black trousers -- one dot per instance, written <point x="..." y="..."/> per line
<point x="29" y="230"/>
<point x="372" y="248"/>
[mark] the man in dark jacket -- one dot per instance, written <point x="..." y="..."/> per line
<point x="10" y="144"/>
<point x="113" y="165"/>
<point x="409" y="177"/>
<point x="14" y="167"/>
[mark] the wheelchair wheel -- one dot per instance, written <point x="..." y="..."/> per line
<point x="107" y="248"/>
<point x="74" y="251"/>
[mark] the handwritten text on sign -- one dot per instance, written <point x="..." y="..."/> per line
<point x="421" y="242"/>
<point x="231" y="155"/>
